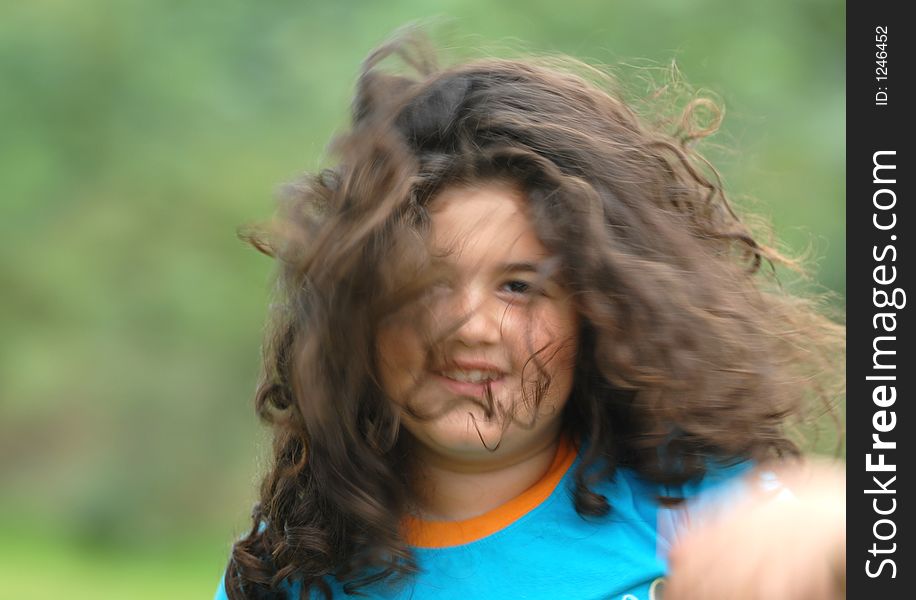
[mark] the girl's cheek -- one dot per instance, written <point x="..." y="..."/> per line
<point x="554" y="325"/>
<point x="559" y="332"/>
<point x="400" y="359"/>
<point x="553" y="340"/>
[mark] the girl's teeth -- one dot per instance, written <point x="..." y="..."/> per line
<point x="470" y="376"/>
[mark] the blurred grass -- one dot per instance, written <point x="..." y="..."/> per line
<point x="137" y="136"/>
<point x="49" y="565"/>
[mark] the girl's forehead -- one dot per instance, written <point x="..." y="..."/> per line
<point x="484" y="220"/>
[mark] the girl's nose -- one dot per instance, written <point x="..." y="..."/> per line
<point x="478" y="318"/>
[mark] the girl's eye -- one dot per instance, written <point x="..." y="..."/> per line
<point x="519" y="287"/>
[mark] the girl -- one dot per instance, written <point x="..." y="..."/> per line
<point x="520" y="337"/>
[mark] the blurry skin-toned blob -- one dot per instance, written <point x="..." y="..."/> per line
<point x="790" y="544"/>
<point x="485" y="410"/>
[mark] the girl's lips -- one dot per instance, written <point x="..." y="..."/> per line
<point x="466" y="388"/>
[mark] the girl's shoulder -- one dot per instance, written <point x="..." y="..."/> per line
<point x="721" y="478"/>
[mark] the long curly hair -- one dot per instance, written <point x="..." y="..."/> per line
<point x="689" y="350"/>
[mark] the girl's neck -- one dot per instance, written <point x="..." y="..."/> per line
<point x="452" y="489"/>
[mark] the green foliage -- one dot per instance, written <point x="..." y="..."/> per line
<point x="137" y="136"/>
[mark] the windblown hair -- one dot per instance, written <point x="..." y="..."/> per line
<point x="689" y="351"/>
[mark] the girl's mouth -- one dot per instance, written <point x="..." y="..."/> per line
<point x="470" y="382"/>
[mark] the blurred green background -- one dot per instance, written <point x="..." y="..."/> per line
<point x="136" y="137"/>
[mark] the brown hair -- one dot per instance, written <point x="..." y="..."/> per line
<point x="687" y="353"/>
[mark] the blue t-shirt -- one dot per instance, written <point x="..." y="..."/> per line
<point x="538" y="547"/>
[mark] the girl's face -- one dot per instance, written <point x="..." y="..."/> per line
<point x="506" y="329"/>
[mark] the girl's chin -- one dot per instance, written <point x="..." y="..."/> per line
<point x="462" y="433"/>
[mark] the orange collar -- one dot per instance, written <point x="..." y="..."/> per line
<point x="441" y="534"/>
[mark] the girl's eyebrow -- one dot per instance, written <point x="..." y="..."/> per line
<point x="525" y="267"/>
<point x="509" y="267"/>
